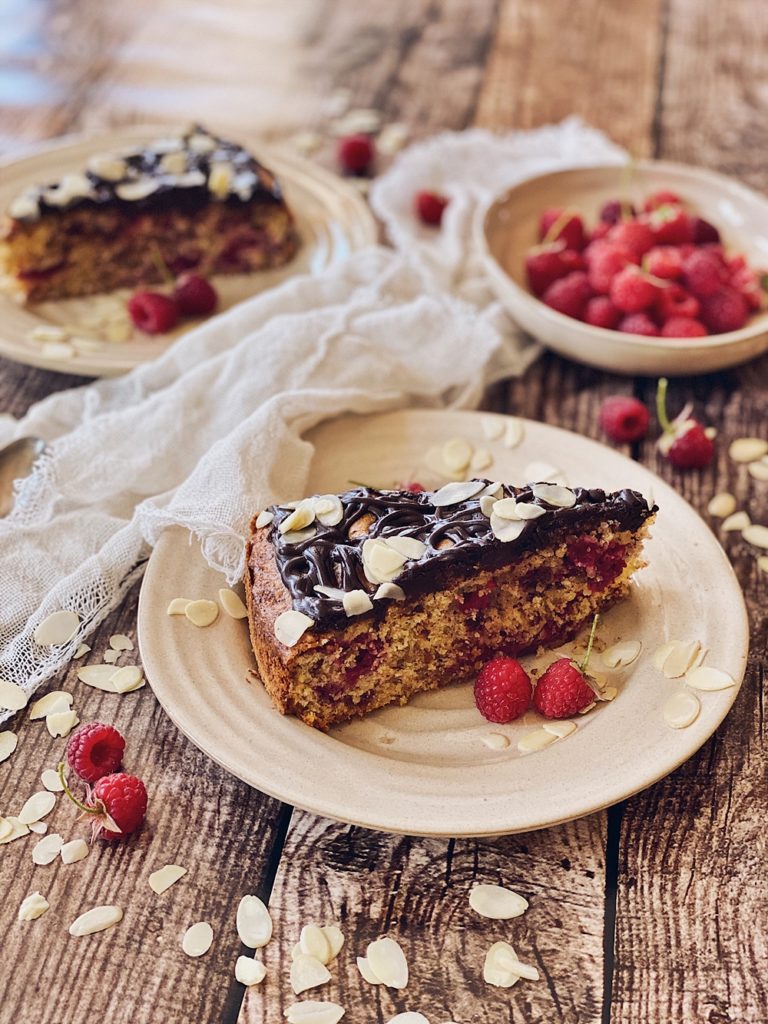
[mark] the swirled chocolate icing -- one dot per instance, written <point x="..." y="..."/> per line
<point x="455" y="536"/>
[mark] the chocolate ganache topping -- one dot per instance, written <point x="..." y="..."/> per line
<point x="452" y="535"/>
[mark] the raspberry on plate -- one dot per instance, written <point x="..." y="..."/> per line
<point x="502" y="690"/>
<point x="153" y="312"/>
<point x="683" y="327"/>
<point x="569" y="294"/>
<point x="624" y="418"/>
<point x="195" y="296"/>
<point x="639" y="323"/>
<point x="562" y="690"/>
<point x="356" y="153"/>
<point x="632" y="291"/>
<point x="557" y="224"/>
<point x="429" y="207"/>
<point x="724" y="311"/>
<point x="95" y="750"/>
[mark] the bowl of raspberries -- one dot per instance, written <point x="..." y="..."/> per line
<point x="650" y="267"/>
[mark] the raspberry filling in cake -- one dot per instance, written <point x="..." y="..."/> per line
<point x="386" y="594"/>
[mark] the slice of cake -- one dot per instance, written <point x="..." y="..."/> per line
<point x="367" y="598"/>
<point x="192" y="202"/>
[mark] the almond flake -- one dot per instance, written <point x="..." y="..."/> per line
<point x="681" y="710"/>
<point x="8" y="741"/>
<point x="609" y="693"/>
<point x="299" y="536"/>
<point x="356" y="602"/>
<point x="6" y="828"/>
<point x="455" y="493"/>
<point x="334" y="593"/>
<point x="291" y="626"/>
<point x="73" y="851"/>
<point x="32" y="907"/>
<point x="56" y="700"/>
<point x="37" y="806"/>
<point x="232" y="604"/>
<point x="58" y="350"/>
<point x="202" y="613"/>
<point x="495" y="740"/>
<point x="738" y="521"/>
<point x="165" y="877"/>
<point x="496" y="973"/>
<point x="559" y="729"/>
<point x="762" y="565"/>
<point x="554" y="494"/>
<point x="254" y="925"/>
<point x="58" y="628"/>
<point x="527" y="510"/>
<point x="481" y="460"/>
<point x="621" y="654"/>
<point x="313" y="942"/>
<point x="381" y="562"/>
<point x="12" y="697"/>
<point x="329" y="510"/>
<point x="197" y="939"/>
<point x="758" y="470"/>
<point x="308" y="972"/>
<point x="120" y="642"/>
<point x="408" y="1017"/>
<point x="748" y="449"/>
<point x="39" y="827"/>
<point x="387" y="961"/>
<point x="680" y="657"/>
<point x="126" y="679"/>
<point x="756" y="535"/>
<point x="496" y="902"/>
<point x="705" y="678"/>
<point x="722" y="505"/>
<point x="365" y="971"/>
<point x="178" y="606"/>
<point x="505" y="508"/>
<point x="543" y="471"/>
<point x="81" y="650"/>
<point x="487" y="502"/>
<point x="110" y="657"/>
<point x="18" y="830"/>
<point x="335" y="939"/>
<point x="390" y="591"/>
<point x="408" y="547"/>
<point x="507" y="959"/>
<point x="302" y="516"/>
<point x="536" y="740"/>
<point x="97" y="676"/>
<point x="493" y="427"/>
<point x="96" y="920"/>
<point x="45" y="333"/>
<point x="249" y="971"/>
<point x="494" y="490"/>
<point x="133" y="191"/>
<point x="392" y="138"/>
<point x="264" y="518"/>
<point x="513" y="433"/>
<point x="313" y="1011"/>
<point x="47" y="849"/>
<point x="61" y="723"/>
<point x="506" y="530"/>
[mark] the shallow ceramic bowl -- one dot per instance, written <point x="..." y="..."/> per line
<point x="509" y="226"/>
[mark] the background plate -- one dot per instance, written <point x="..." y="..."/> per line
<point x="332" y="219"/>
<point x="425" y="769"/>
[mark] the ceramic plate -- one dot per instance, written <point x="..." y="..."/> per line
<point x="331" y="216"/>
<point x="509" y="228"/>
<point x="427" y="768"/>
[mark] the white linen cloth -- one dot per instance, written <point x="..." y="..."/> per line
<point x="212" y="430"/>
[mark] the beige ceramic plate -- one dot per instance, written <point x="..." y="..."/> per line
<point x="509" y="229"/>
<point x="332" y="218"/>
<point x="425" y="768"/>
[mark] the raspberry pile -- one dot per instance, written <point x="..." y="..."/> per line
<point x="156" y="313"/>
<point x="660" y="272"/>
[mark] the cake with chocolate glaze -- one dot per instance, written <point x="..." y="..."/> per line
<point x="191" y="202"/>
<point x="364" y="599"/>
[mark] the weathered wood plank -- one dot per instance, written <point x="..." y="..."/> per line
<point x="218" y="828"/>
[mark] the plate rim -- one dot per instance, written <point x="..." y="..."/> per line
<point x="614" y="794"/>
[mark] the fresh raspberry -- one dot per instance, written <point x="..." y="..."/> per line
<point x="601" y="312"/>
<point x="624" y="418"/>
<point x="599" y="231"/>
<point x="703" y="231"/>
<point x="557" y="224"/>
<point x="152" y="312"/>
<point x="415" y="488"/>
<point x="124" y="798"/>
<point x="724" y="311"/>
<point x="502" y="690"/>
<point x="703" y="273"/>
<point x="95" y="750"/>
<point x="663" y="198"/>
<point x="545" y="264"/>
<point x="634" y="235"/>
<point x="691" y="449"/>
<point x="631" y="291"/>
<point x="674" y="300"/>
<point x="195" y="296"/>
<point x="613" y="211"/>
<point x="429" y="207"/>
<point x="605" y="262"/>
<point x="356" y="153"/>
<point x="665" y="261"/>
<point x="671" y="225"/>
<point x="562" y="691"/>
<point x="639" y="323"/>
<point x="683" y="327"/>
<point x="569" y="294"/>
<point x="747" y="283"/>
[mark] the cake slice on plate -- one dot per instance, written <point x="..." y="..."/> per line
<point x="192" y="202"/>
<point x="364" y="599"/>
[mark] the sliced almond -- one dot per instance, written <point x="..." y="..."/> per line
<point x="202" y="613"/>
<point x="32" y="907"/>
<point x="365" y="971"/>
<point x="37" y="806"/>
<point x="308" y="972"/>
<point x="12" y="697"/>
<point x="496" y="902"/>
<point x="487" y="501"/>
<point x="329" y="510"/>
<point x="389" y="591"/>
<point x="58" y="628"/>
<point x="335" y="938"/>
<point x="738" y="521"/>
<point x="507" y="959"/>
<point x="178" y="605"/>
<point x="291" y="626"/>
<point x="506" y="530"/>
<point x="762" y="565"/>
<point x="681" y="710"/>
<point x="381" y="563"/>
<point x="254" y="925"/>
<point x="165" y="877"/>
<point x="621" y="654"/>
<point x="756" y="535"/>
<point x="56" y="700"/>
<point x="481" y="460"/>
<point x="496" y="973"/>
<point x="232" y="604"/>
<point x="554" y="494"/>
<point x="125" y="678"/>
<point x="249" y="971"/>
<point x="538" y="739"/>
<point x="493" y="427"/>
<point x="680" y="658"/>
<point x="408" y="1017"/>
<point x="608" y="693"/>
<point x="39" y="827"/>
<point x="120" y="642"/>
<point x="300" y="518"/>
<point x="8" y="741"/>
<point x="17" y="831"/>
<point x="264" y="518"/>
<point x="313" y="942"/>
<point x="73" y="851"/>
<point x="408" y="547"/>
<point x="299" y="536"/>
<point x="505" y="508"/>
<point x="747" y="449"/>
<point x="543" y="471"/>
<point x="758" y="470"/>
<point x="61" y="723"/>
<point x="457" y="492"/>
<point x="527" y="510"/>
<point x="96" y="920"/>
<point x="457" y="454"/>
<point x="97" y="676"/>
<point x="705" y="678"/>
<point x="388" y="963"/>
<point x="722" y="505"/>
<point x="514" y="432"/>
<point x="495" y="740"/>
<point x="47" y="849"/>
<point x="312" y="1011"/>
<point x="198" y="939"/>
<point x="110" y="657"/>
<point x="559" y="729"/>
<point x="81" y="651"/>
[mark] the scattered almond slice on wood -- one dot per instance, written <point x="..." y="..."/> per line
<point x="387" y="961"/>
<point x="18" y="830"/>
<point x="408" y="1017"/>
<point x="503" y="967"/>
<point x="758" y="470"/>
<point x="47" y="850"/>
<point x="313" y="942"/>
<point x="82" y="650"/>
<point x="97" y="919"/>
<point x="756" y="535"/>
<point x="198" y="939"/>
<point x="681" y="709"/>
<point x="249" y="971"/>
<point x="126" y="678"/>
<point x="8" y="743"/>
<point x="254" y="925"/>
<point x="97" y="676"/>
<point x="335" y="939"/>
<point x="308" y="972"/>
<point x="61" y="723"/>
<point x="37" y="806"/>
<point x="56" y="700"/>
<point x="12" y="697"/>
<point x="722" y="505"/>
<point x="747" y="449"/>
<point x="312" y="1011"/>
<point x="40" y="827"/>
<point x="762" y="563"/>
<point x="232" y="604"/>
<point x="55" y="629"/>
<point x="5" y="827"/>
<point x="120" y="642"/>
<point x="110" y="657"/>
<point x="736" y="522"/>
<point x="165" y="877"/>
<point x="32" y="907"/>
<point x="74" y="850"/>
<point x="365" y="971"/>
<point x="496" y="902"/>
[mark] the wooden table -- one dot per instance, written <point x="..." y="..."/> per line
<point x="653" y="912"/>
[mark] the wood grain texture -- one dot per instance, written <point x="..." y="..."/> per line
<point x="199" y="817"/>
<point x="595" y="59"/>
<point x="416" y="891"/>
